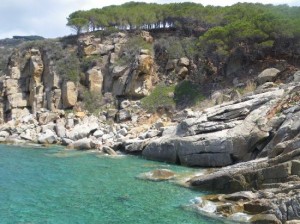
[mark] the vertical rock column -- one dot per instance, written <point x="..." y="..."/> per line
<point x="52" y="83"/>
<point x="36" y="87"/>
<point x="15" y="88"/>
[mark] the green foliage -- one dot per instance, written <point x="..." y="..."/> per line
<point x="89" y="62"/>
<point x="106" y="32"/>
<point x="140" y="15"/>
<point x="78" y="22"/>
<point x="187" y="94"/>
<point x="251" y="28"/>
<point x="67" y="62"/>
<point x="69" y="67"/>
<point x="92" y="101"/>
<point x="161" y="97"/>
<point x="266" y="44"/>
<point x="4" y="54"/>
<point x="177" y="47"/>
<point x="28" y="38"/>
<point x="132" y="48"/>
<point x="182" y="95"/>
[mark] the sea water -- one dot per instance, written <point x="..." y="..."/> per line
<point x="53" y="185"/>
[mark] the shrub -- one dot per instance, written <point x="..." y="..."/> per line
<point x="169" y="97"/>
<point x="161" y="97"/>
<point x="69" y="67"/>
<point x="92" y="102"/>
<point x="88" y="62"/>
<point x="187" y="94"/>
<point x="132" y="48"/>
<point x="178" y="47"/>
<point x="106" y="32"/>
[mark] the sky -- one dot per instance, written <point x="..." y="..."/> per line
<point x="47" y="18"/>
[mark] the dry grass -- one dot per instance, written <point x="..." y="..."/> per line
<point x="250" y="87"/>
<point x="207" y="103"/>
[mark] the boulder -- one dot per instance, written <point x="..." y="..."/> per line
<point x="123" y="115"/>
<point x="29" y="135"/>
<point x="145" y="51"/>
<point x="4" y="134"/>
<point x="119" y="70"/>
<point x="134" y="146"/>
<point x="111" y="113"/>
<point x="122" y="132"/>
<point x="47" y="137"/>
<point x="152" y="133"/>
<point x="66" y="141"/>
<point x="60" y="128"/>
<point x="69" y="94"/>
<point x="95" y="80"/>
<point x="217" y="97"/>
<point x="297" y="76"/>
<point x="98" y="133"/>
<point x="184" y="62"/>
<point x="287" y="131"/>
<point x="124" y="104"/>
<point x="82" y="130"/>
<point x="108" y="136"/>
<point x="109" y="151"/>
<point x="265" y="219"/>
<point x="81" y="144"/>
<point x="268" y="75"/>
<point x="105" y="49"/>
<point x="147" y="37"/>
<point x="47" y="117"/>
<point x="183" y="72"/>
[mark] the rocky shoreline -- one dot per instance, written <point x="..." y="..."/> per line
<point x="263" y="124"/>
<point x="254" y="137"/>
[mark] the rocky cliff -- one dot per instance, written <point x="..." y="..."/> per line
<point x="85" y="93"/>
<point x="33" y="80"/>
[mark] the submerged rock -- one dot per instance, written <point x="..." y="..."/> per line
<point x="109" y="151"/>
<point x="158" y="175"/>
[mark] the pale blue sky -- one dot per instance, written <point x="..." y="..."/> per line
<point x="48" y="17"/>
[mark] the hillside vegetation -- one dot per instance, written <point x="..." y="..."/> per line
<point x="250" y="30"/>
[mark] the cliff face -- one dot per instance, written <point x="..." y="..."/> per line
<point x="34" y="80"/>
<point x="58" y="74"/>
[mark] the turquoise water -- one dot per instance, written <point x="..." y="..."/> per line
<point x="56" y="186"/>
